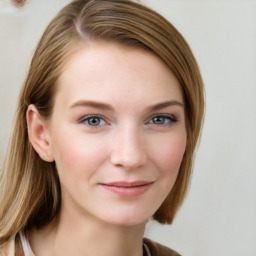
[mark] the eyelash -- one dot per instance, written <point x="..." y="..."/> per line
<point x="168" y="120"/>
<point x="85" y="120"/>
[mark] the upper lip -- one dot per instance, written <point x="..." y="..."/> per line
<point x="128" y="184"/>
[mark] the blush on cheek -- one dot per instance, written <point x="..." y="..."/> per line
<point x="67" y="158"/>
<point x="76" y="160"/>
<point x="172" y="157"/>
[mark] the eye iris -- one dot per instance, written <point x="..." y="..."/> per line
<point x="94" y="121"/>
<point x="159" y="120"/>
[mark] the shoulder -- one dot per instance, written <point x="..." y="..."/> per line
<point x="157" y="249"/>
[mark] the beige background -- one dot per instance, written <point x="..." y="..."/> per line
<point x="219" y="215"/>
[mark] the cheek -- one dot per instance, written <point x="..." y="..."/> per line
<point x="76" y="155"/>
<point x="170" y="155"/>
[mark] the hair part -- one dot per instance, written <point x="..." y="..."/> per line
<point x="30" y="194"/>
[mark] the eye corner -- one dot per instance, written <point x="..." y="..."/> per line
<point x="93" y="121"/>
<point x="162" y="120"/>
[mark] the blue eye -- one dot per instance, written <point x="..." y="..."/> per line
<point x="162" y="120"/>
<point x="94" y="121"/>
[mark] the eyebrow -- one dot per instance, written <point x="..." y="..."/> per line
<point x="108" y="107"/>
<point x="93" y="104"/>
<point x="165" y="104"/>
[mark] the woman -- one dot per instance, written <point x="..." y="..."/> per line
<point x="106" y="128"/>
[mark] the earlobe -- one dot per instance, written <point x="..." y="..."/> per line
<point x="38" y="133"/>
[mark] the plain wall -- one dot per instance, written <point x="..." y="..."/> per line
<point x="219" y="214"/>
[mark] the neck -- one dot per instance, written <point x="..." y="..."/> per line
<point x="87" y="236"/>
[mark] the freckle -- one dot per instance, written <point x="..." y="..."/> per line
<point x="18" y="3"/>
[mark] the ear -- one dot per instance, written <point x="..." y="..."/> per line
<point x="38" y="133"/>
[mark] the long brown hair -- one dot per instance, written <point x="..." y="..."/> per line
<point x="29" y="187"/>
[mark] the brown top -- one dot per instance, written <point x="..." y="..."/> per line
<point x="156" y="249"/>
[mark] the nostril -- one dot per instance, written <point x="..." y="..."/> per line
<point x="18" y="3"/>
<point x="128" y="160"/>
<point x="127" y="149"/>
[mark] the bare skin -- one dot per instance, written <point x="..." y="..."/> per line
<point x="117" y="135"/>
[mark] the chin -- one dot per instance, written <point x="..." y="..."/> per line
<point x="128" y="219"/>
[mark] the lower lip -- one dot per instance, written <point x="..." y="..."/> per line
<point x="128" y="191"/>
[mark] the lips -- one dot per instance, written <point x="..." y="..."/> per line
<point x="129" y="184"/>
<point x="127" y="189"/>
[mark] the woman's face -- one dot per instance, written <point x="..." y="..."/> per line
<point x="117" y="133"/>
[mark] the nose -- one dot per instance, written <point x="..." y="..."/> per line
<point x="128" y="148"/>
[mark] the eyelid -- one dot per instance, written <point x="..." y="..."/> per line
<point x="173" y="118"/>
<point x="86" y="117"/>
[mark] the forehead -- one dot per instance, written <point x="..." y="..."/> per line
<point x="101" y="70"/>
